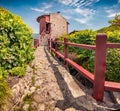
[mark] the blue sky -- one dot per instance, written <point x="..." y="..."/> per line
<point x="81" y="14"/>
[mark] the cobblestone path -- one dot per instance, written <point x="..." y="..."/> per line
<point x="54" y="89"/>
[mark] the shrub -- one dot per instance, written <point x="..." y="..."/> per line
<point x="15" y="44"/>
<point x="113" y="67"/>
<point x="113" y="58"/>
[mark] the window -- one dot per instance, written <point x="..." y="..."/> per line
<point x="47" y="28"/>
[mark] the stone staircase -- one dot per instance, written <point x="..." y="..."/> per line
<point x="44" y="40"/>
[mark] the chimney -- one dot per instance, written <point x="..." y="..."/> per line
<point x="58" y="12"/>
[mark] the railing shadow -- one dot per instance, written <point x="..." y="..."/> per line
<point x="69" y="101"/>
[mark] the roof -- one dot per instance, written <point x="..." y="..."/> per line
<point x="38" y="19"/>
<point x="65" y="19"/>
<point x="42" y="16"/>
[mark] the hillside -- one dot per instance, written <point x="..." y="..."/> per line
<point x="35" y="35"/>
<point x="114" y="25"/>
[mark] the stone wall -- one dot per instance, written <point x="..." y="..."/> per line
<point x="59" y="25"/>
<point x="20" y="88"/>
<point x="42" y="24"/>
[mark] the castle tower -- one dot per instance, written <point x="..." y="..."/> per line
<point x="54" y="24"/>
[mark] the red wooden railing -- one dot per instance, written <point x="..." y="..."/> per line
<point x="41" y="37"/>
<point x="38" y="41"/>
<point x="98" y="78"/>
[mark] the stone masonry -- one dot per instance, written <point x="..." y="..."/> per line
<point x="48" y="86"/>
<point x="59" y="25"/>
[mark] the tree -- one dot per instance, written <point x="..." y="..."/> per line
<point x="115" y="23"/>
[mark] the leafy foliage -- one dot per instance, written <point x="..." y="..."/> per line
<point x="113" y="57"/>
<point x="15" y="50"/>
<point x="115" y="23"/>
<point x="113" y="36"/>
<point x="15" y="44"/>
<point x="113" y="65"/>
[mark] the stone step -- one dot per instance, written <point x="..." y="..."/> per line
<point x="44" y="40"/>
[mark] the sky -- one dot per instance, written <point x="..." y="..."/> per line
<point x="81" y="14"/>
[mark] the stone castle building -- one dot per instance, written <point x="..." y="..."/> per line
<point x="53" y="24"/>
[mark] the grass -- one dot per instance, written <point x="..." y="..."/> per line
<point x="5" y="94"/>
<point x="32" y="80"/>
<point x="27" y="100"/>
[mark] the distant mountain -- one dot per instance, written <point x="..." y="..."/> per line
<point x="35" y="35"/>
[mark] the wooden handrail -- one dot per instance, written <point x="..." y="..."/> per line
<point x="84" y="46"/>
<point x="36" y="42"/>
<point x="98" y="78"/>
<point x="113" y="45"/>
<point x="60" y="42"/>
<point x="112" y="86"/>
<point x="81" y="70"/>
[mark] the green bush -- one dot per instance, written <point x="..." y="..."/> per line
<point x="15" y="51"/>
<point x="113" y="57"/>
<point x="5" y="93"/>
<point x="113" y="36"/>
<point x="113" y="65"/>
<point x="18" y="71"/>
<point x="15" y="44"/>
<point x="83" y="56"/>
<point x="86" y="57"/>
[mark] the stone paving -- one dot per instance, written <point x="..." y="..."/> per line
<point x="54" y="89"/>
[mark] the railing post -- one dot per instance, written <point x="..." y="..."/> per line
<point x="65" y="50"/>
<point x="56" y="46"/>
<point x="35" y="43"/>
<point x="39" y="40"/>
<point x="100" y="67"/>
<point x="49" y="43"/>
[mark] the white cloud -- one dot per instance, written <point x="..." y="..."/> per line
<point x="85" y="12"/>
<point x="67" y="17"/>
<point x="81" y="20"/>
<point x="109" y="11"/>
<point x="82" y="4"/>
<point x="75" y="2"/>
<point x="84" y="20"/>
<point x="45" y="8"/>
<point x="37" y="9"/>
<point x="78" y="3"/>
<point x="65" y="2"/>
<point x="113" y="10"/>
<point x="81" y="15"/>
<point x="113" y="14"/>
<point x="68" y="11"/>
<point x="78" y="11"/>
<point x="85" y="15"/>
